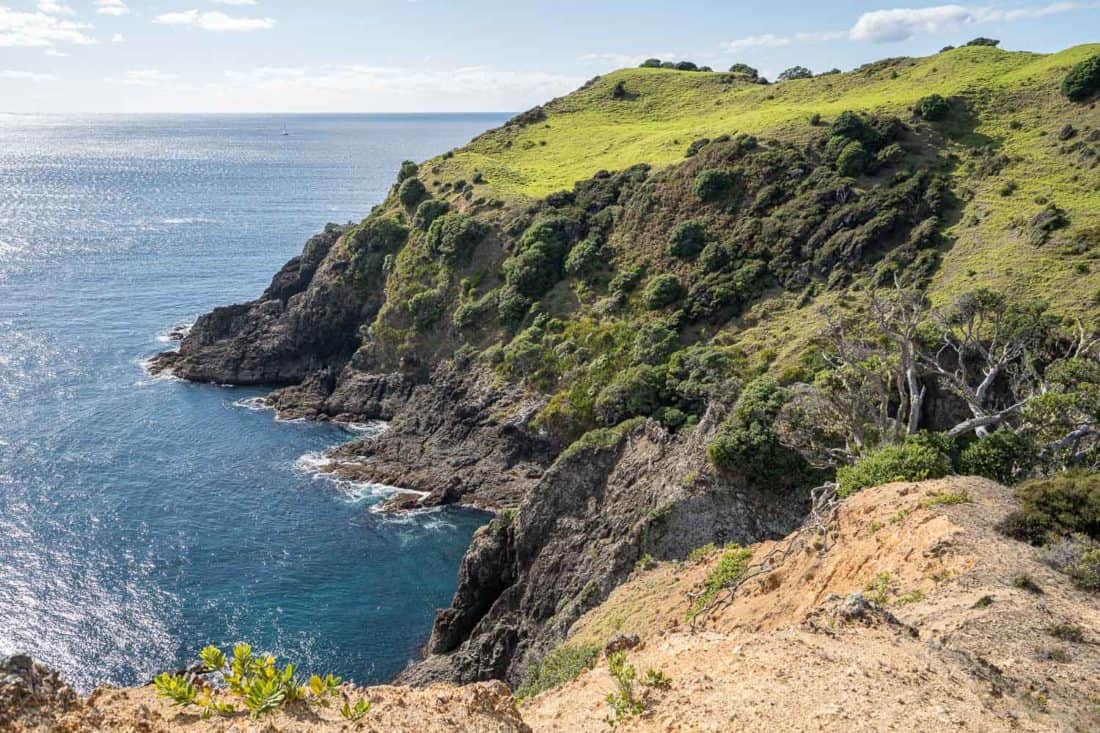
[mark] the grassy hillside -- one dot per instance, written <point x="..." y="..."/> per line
<point x="627" y="248"/>
<point x="1017" y="113"/>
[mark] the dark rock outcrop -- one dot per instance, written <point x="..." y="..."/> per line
<point x="306" y="321"/>
<point x="578" y="534"/>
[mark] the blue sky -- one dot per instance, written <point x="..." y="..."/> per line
<point x="437" y="56"/>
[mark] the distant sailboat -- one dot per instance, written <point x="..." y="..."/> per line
<point x="285" y="133"/>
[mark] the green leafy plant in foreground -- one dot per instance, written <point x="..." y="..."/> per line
<point x="624" y="702"/>
<point x="356" y="712"/>
<point x="260" y="684"/>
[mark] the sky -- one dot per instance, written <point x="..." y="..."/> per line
<point x="289" y="56"/>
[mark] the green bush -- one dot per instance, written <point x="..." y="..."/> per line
<point x="411" y="192"/>
<point x="662" y="290"/>
<point x="585" y="258"/>
<point x="1086" y="571"/>
<point x="933" y="107"/>
<point x="687" y="239"/>
<point x="982" y="41"/>
<point x="853" y="159"/>
<point x="1064" y="504"/>
<point x="1083" y="80"/>
<point x="561" y="665"/>
<point x="512" y="306"/>
<point x="633" y="392"/>
<point x="795" y="72"/>
<point x="727" y="573"/>
<point x="850" y="125"/>
<point x="890" y="155"/>
<point x="714" y="257"/>
<point x="686" y="66"/>
<point x="626" y="280"/>
<point x="999" y="456"/>
<point x="747" y="443"/>
<point x="408" y="170"/>
<point x="532" y="272"/>
<point x="908" y="461"/>
<point x="651" y="64"/>
<point x="452" y="237"/>
<point x="698" y="373"/>
<point x="427" y="212"/>
<point x="654" y="342"/>
<point x="745" y="70"/>
<point x="425" y="308"/>
<point x="712" y="184"/>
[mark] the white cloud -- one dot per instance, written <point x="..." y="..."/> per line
<point x="52" y="7"/>
<point x="477" y="87"/>
<point x="769" y="40"/>
<point x="215" y="21"/>
<point x="112" y="7"/>
<point x="39" y="30"/>
<point x="54" y="52"/>
<point x="117" y="38"/>
<point x="899" y="24"/>
<point x="25" y="75"/>
<point x="144" y="77"/>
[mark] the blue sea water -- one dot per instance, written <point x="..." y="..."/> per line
<point x="141" y="518"/>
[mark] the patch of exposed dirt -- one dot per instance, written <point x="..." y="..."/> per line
<point x="939" y="636"/>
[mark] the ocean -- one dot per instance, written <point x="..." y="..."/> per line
<point x="141" y="518"/>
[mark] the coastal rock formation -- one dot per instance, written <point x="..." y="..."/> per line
<point x="627" y="493"/>
<point x="305" y="322"/>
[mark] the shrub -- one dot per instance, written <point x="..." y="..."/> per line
<point x="908" y="461"/>
<point x="711" y="183"/>
<point x="619" y="90"/>
<point x="745" y="70"/>
<point x="627" y="280"/>
<point x="696" y="146"/>
<point x="651" y="64"/>
<point x="686" y="66"/>
<point x="849" y="125"/>
<point x="425" y="308"/>
<point x="1060" y="505"/>
<point x="747" y="442"/>
<point x="468" y="315"/>
<point x="982" y="41"/>
<point x="698" y="373"/>
<point x="999" y="456"/>
<point x="408" y="170"/>
<point x="687" y="239"/>
<point x="890" y="155"/>
<point x="853" y="159"/>
<point x="428" y="211"/>
<point x="452" y="237"/>
<point x="1083" y="80"/>
<point x="623" y="701"/>
<point x="1086" y="571"/>
<point x="411" y="192"/>
<point x="533" y="271"/>
<point x="662" y="290"/>
<point x="654" y="342"/>
<point x="585" y="258"/>
<point x="932" y="108"/>
<point x="795" y="72"/>
<point x="512" y="306"/>
<point x="633" y="392"/>
<point x="668" y="64"/>
<point x="560" y="665"/>
<point x="714" y="257"/>
<point x="728" y="572"/>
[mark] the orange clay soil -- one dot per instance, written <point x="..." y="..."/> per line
<point x="948" y="642"/>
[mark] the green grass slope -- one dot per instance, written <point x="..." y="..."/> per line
<point x="1017" y="115"/>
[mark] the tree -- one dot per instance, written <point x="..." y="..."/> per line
<point x="651" y="64"/>
<point x="933" y="107"/>
<point x="981" y="338"/>
<point x="745" y="70"/>
<point x="411" y="191"/>
<point x="983" y="41"/>
<point x="795" y="72"/>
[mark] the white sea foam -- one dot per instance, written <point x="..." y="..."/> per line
<point x="175" y="333"/>
<point x="256" y="404"/>
<point x="369" y="429"/>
